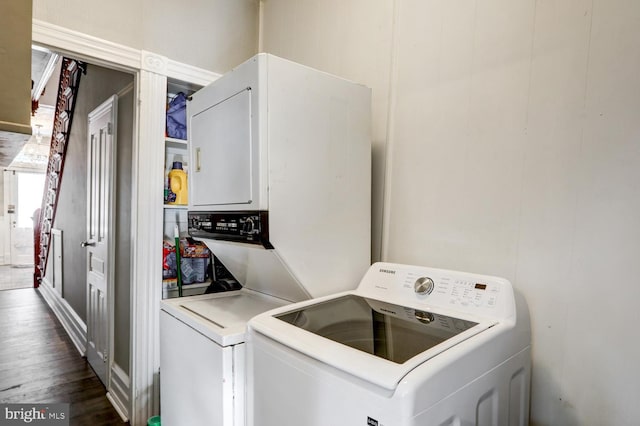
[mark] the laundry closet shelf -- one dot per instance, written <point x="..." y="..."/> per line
<point x="170" y="288"/>
<point x="172" y="283"/>
<point x="175" y="143"/>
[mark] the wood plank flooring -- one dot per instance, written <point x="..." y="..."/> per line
<point x="12" y="277"/>
<point x="39" y="364"/>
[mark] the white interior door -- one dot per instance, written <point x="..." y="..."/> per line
<point x="24" y="197"/>
<point x="100" y="174"/>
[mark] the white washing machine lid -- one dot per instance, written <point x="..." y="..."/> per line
<point x="376" y="341"/>
<point x="222" y="317"/>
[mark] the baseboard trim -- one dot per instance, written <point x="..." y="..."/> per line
<point x="72" y="323"/>
<point x="119" y="391"/>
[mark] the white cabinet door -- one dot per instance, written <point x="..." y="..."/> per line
<point x="221" y="144"/>
<point x="196" y="377"/>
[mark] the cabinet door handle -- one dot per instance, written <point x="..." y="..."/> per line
<point x="197" y="159"/>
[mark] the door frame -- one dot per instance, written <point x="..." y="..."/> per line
<point x="151" y="72"/>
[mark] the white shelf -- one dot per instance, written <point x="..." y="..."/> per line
<point x="172" y="283"/>
<point x="176" y="143"/>
<point x="170" y="288"/>
<point x="176" y="206"/>
<point x="176" y="214"/>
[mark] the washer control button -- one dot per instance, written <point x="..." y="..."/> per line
<point x="423" y="285"/>
<point x="424" y="317"/>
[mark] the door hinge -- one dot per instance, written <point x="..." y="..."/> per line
<point x="109" y="129"/>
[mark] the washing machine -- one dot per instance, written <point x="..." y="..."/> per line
<point x="410" y="346"/>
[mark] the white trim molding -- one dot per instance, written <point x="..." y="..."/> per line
<point x="191" y="74"/>
<point x="147" y="247"/>
<point x="71" y="322"/>
<point x="119" y="391"/>
<point x="153" y="62"/>
<point x="85" y="47"/>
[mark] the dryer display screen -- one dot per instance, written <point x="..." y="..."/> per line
<point x="395" y="333"/>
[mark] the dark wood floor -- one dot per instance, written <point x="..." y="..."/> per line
<point x="40" y="364"/>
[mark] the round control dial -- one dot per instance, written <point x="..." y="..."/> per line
<point x="424" y="317"/>
<point x="423" y="285"/>
<point x="248" y="226"/>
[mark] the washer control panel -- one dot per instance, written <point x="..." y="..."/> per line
<point x="465" y="292"/>
<point x="461" y="291"/>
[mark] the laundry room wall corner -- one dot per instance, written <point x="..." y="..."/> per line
<point x="514" y="153"/>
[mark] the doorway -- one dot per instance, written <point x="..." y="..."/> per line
<point x="83" y="318"/>
<point x="140" y="386"/>
<point x="22" y="181"/>
<point x="22" y="195"/>
<point x="25" y="197"/>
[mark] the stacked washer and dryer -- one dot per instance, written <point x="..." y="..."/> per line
<point x="280" y="192"/>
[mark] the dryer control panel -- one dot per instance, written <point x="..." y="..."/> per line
<point x="429" y="287"/>
<point x="242" y="226"/>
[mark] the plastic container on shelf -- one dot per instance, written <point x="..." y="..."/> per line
<point x="194" y="261"/>
<point x="169" y="196"/>
<point x="169" y="265"/>
<point x="193" y="269"/>
<point x="178" y="185"/>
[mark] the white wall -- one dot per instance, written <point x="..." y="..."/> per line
<point x="514" y="131"/>
<point x="350" y="39"/>
<point x="215" y="35"/>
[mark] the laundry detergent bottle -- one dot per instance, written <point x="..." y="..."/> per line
<point x="178" y="184"/>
